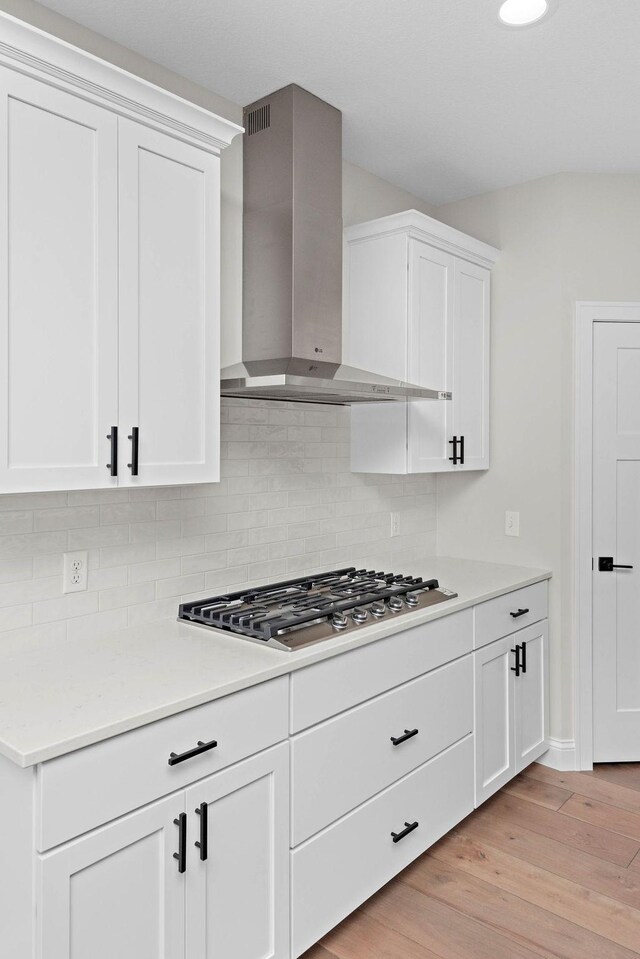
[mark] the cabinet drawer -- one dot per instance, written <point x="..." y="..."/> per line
<point x="329" y="687"/>
<point x="337" y="870"/>
<point x="345" y="761"/>
<point x="495" y="618"/>
<point x="94" y="785"/>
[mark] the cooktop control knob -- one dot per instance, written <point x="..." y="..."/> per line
<point x="411" y="599"/>
<point x="339" y="621"/>
<point x="359" y="615"/>
<point x="395" y="603"/>
<point x="378" y="609"/>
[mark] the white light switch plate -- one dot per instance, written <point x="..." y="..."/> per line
<point x="511" y="523"/>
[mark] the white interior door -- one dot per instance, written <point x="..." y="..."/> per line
<point x="58" y="288"/>
<point x="169" y="307"/>
<point x="616" y="535"/>
<point x="117" y="891"/>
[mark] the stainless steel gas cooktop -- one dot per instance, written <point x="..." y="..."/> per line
<point x="310" y="609"/>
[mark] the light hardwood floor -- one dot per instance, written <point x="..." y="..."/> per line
<point x="550" y="866"/>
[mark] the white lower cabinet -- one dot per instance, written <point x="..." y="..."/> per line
<point x="511" y="706"/>
<point x="168" y="882"/>
<point x="249" y="826"/>
<point x="238" y="887"/>
<point x="338" y="869"/>
<point x="116" y="891"/>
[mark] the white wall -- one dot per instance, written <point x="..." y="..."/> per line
<point x="564" y="238"/>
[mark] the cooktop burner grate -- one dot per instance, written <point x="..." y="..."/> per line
<point x="271" y="612"/>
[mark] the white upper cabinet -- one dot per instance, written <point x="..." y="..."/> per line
<point x="58" y="287"/>
<point x="417" y="309"/>
<point x="109" y="274"/>
<point x="169" y="308"/>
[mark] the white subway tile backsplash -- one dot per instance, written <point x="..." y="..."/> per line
<point x="157" y="569"/>
<point x="163" y="529"/>
<point x="13" y="617"/>
<point x="114" y="514"/>
<point x="30" y="590"/>
<point x="203" y="562"/>
<point x="127" y="595"/>
<point x="97" y="536"/>
<point x="184" y="546"/>
<point x="179" y="585"/>
<point x="15" y="570"/>
<point x="107" y="578"/>
<point x="70" y="517"/>
<point x="127" y="555"/>
<point x="75" y="604"/>
<point x="32" y="544"/>
<point x="148" y="612"/>
<point x="32" y="500"/>
<point x="287" y="503"/>
<point x="16" y="521"/>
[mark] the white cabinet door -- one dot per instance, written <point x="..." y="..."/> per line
<point x="117" y="891"/>
<point x="494" y="717"/>
<point x="469" y="409"/>
<point x="169" y="307"/>
<point x="238" y="893"/>
<point x="431" y="354"/>
<point x="58" y="288"/>
<point x="531" y="699"/>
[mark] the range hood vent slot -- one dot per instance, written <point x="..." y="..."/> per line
<point x="258" y="119"/>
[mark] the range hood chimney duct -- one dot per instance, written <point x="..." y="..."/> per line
<point x="292" y="260"/>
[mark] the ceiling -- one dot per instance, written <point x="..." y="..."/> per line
<point x="437" y="97"/>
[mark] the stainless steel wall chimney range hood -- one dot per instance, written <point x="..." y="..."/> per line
<point x="292" y="261"/>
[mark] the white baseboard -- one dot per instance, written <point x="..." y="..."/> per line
<point x="561" y="755"/>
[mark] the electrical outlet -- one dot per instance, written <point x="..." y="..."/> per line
<point x="511" y="523"/>
<point x="395" y="524"/>
<point x="74" y="577"/>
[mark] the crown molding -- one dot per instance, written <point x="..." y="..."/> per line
<point x="419" y="226"/>
<point x="58" y="63"/>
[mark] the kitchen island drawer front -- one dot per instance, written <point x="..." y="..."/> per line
<point x="345" y="761"/>
<point x="91" y="786"/>
<point x="333" y="873"/>
<point x="505" y="614"/>
<point x="330" y="687"/>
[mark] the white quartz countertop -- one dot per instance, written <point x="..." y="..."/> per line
<point x="58" y="696"/>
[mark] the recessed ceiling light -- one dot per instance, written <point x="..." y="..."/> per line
<point x="523" y="13"/>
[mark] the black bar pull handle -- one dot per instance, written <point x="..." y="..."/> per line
<point x="606" y="565"/>
<point x="408" y="734"/>
<point x="203" y="843"/>
<point x="523" y="664"/>
<point x="175" y="758"/>
<point x="461" y="457"/>
<point x="516" y="669"/>
<point x="409" y="827"/>
<point x="113" y="465"/>
<point x="519" y="612"/>
<point x="454" y="459"/>
<point x="181" y="854"/>
<point x="134" y="436"/>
